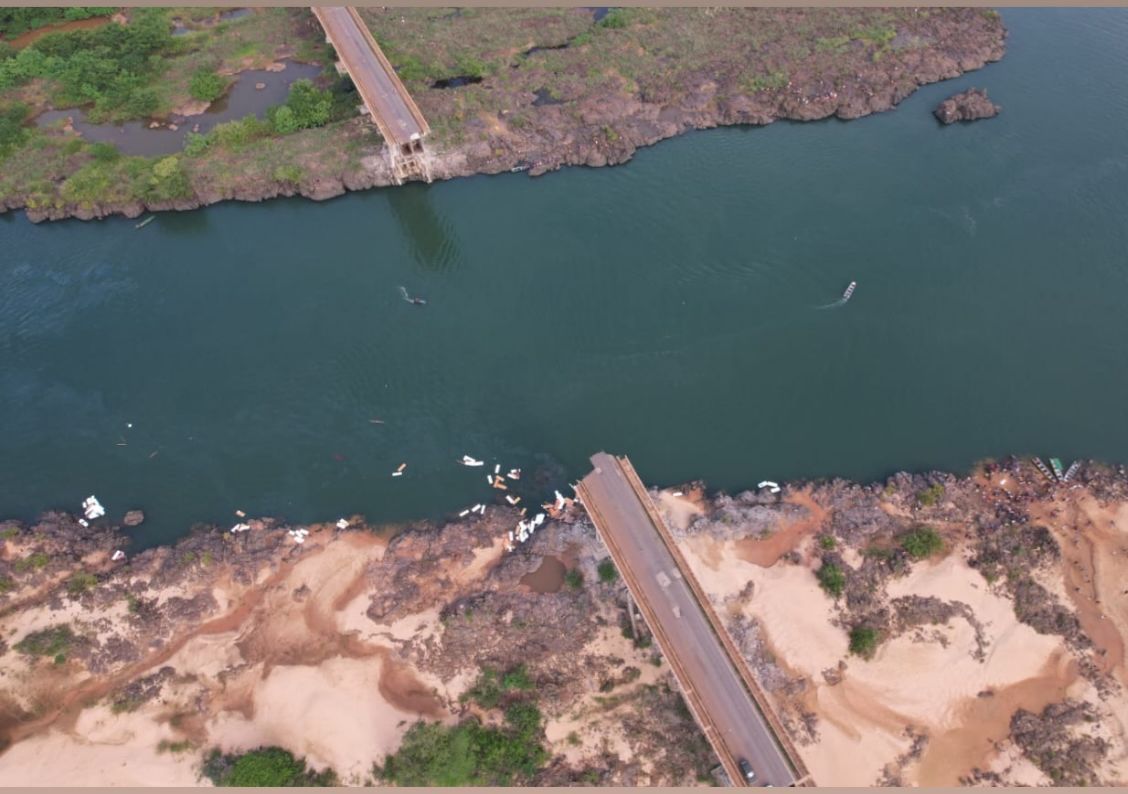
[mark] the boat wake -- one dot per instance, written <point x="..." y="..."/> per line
<point x="845" y="297"/>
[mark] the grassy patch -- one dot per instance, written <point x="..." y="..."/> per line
<point x="51" y="641"/>
<point x="33" y="562"/>
<point x="266" y="766"/>
<point x="207" y="86"/>
<point x="930" y="496"/>
<point x="80" y="583"/>
<point x="827" y="542"/>
<point x="574" y="579"/>
<point x="922" y="542"/>
<point x="832" y="579"/>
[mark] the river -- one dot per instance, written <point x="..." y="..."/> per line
<point x="235" y="357"/>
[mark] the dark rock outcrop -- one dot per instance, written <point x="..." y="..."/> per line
<point x="971" y="105"/>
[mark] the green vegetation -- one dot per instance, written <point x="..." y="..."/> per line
<point x="832" y="578"/>
<point x="166" y="746"/>
<point x="616" y="19"/>
<point x="827" y="542"/>
<point x="574" y="579"/>
<point x="104" y="152"/>
<point x="13" y="133"/>
<point x="9" y="532"/>
<point x="288" y="173"/>
<point x="207" y="86"/>
<point x="921" y="542"/>
<point x="6" y="585"/>
<point x="491" y="686"/>
<point x="51" y="641"/>
<point x="863" y="641"/>
<point x="771" y="81"/>
<point x="469" y="754"/>
<point x="32" y="562"/>
<point x="17" y="21"/>
<point x="111" y="66"/>
<point x="81" y="583"/>
<point x="266" y="766"/>
<point x="930" y="496"/>
<point x="607" y="571"/>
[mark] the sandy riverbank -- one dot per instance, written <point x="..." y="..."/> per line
<point x="332" y="649"/>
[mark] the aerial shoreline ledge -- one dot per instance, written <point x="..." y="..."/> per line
<point x="535" y="112"/>
<point x="984" y="610"/>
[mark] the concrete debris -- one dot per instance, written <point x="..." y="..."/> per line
<point x="93" y="508"/>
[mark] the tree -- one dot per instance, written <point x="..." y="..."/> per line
<point x="311" y="106"/>
<point x="207" y="86"/>
<point x="284" y="121"/>
<point x="169" y="179"/>
<point x="832" y="578"/>
<point x="922" y="542"/>
<point x="863" y="641"/>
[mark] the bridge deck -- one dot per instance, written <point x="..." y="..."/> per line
<point x="392" y="108"/>
<point x="716" y="685"/>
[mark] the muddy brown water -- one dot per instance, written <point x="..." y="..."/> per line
<point x="242" y="99"/>
<point x="547" y="578"/>
<point x="32" y="36"/>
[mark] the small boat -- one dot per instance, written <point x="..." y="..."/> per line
<point x="1072" y="470"/>
<point x="1059" y="472"/>
<point x="145" y="222"/>
<point x="469" y="461"/>
<point x="849" y="291"/>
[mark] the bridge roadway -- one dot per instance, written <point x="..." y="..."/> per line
<point x="716" y="686"/>
<point x="392" y="108"/>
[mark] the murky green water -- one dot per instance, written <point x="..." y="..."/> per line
<point x="665" y="309"/>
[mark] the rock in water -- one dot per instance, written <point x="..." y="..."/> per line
<point x="971" y="105"/>
<point x="133" y="518"/>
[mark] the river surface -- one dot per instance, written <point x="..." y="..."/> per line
<point x="235" y="357"/>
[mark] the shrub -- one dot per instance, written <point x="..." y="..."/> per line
<point x="310" y="105"/>
<point x="104" y="152"/>
<point x="863" y="641"/>
<point x="574" y="579"/>
<point x="81" y="582"/>
<point x="266" y="766"/>
<point x="607" y="571"/>
<point x="196" y="144"/>
<point x="921" y="542"/>
<point x="616" y="18"/>
<point x="288" y="173"/>
<point x="168" y="180"/>
<point x="47" y="642"/>
<point x="930" y="496"/>
<point x="13" y="133"/>
<point x="827" y="542"/>
<point x="207" y="86"/>
<point x="832" y="578"/>
<point x="469" y="754"/>
<point x="285" y="121"/>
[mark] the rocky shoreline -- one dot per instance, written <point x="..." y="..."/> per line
<point x="177" y="638"/>
<point x="607" y="126"/>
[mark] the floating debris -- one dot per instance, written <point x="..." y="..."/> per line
<point x="771" y="486"/>
<point x="512" y="499"/>
<point x="376" y="421"/>
<point x="145" y="222"/>
<point x="469" y="461"/>
<point x="397" y="473"/>
<point x="489" y="479"/>
<point x="118" y="555"/>
<point x="464" y="513"/>
<point x="497" y="468"/>
<point x="240" y="513"/>
<point x="499" y="483"/>
<point x="514" y="474"/>
<point x="93" y="508"/>
<point x="402" y="466"/>
<point x="240" y="528"/>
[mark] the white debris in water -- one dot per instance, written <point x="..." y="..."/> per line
<point x="514" y="474"/>
<point x="464" y="513"/>
<point x="342" y="523"/>
<point x="93" y="508"/>
<point x="118" y="555"/>
<point x="497" y="468"/>
<point x="469" y="461"/>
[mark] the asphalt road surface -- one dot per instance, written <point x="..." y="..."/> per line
<point x="689" y="636"/>
<point x="368" y="74"/>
